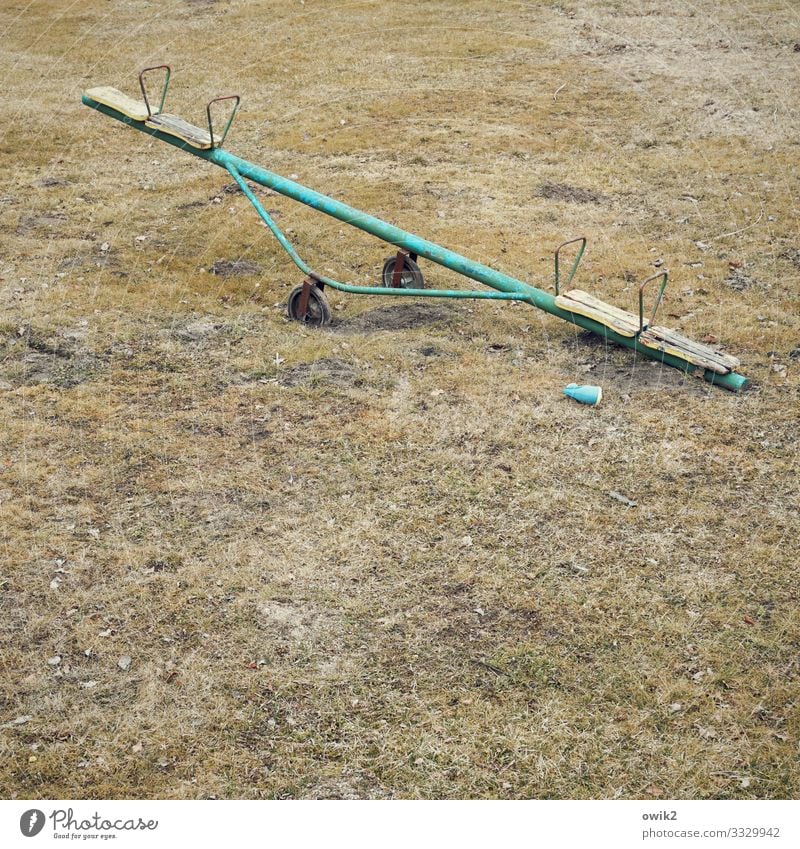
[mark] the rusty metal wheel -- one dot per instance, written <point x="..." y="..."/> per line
<point x="410" y="275"/>
<point x="318" y="313"/>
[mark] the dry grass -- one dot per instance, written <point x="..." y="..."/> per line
<point x="388" y="565"/>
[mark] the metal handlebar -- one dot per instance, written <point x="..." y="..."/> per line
<point x="230" y="120"/>
<point x="582" y="240"/>
<point x="167" y="75"/>
<point x="663" y="274"/>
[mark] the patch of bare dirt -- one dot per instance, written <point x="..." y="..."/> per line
<point x="350" y="785"/>
<point x="325" y="370"/>
<point x="739" y="281"/>
<point x="197" y="330"/>
<point x="51" y="183"/>
<point x="430" y="351"/>
<point x="622" y="372"/>
<point x="71" y="262"/>
<point x="290" y="619"/>
<point x="396" y="317"/>
<point x="235" y="267"/>
<point x="36" y="368"/>
<point x="30" y="358"/>
<point x="255" y="188"/>
<point x="793" y="256"/>
<point x="570" y="194"/>
<point x="48" y="221"/>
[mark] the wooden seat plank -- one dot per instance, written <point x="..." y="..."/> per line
<point x="115" y="99"/>
<point x="620" y="321"/>
<point x="175" y="126"/>
<point x="677" y="345"/>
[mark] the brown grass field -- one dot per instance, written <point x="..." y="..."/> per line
<point x="381" y="559"/>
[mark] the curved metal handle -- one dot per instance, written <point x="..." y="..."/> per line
<point x="663" y="274"/>
<point x="582" y="240"/>
<point x="168" y="70"/>
<point x="230" y="120"/>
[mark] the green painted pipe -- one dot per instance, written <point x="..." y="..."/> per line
<point x="361" y="290"/>
<point x="414" y="244"/>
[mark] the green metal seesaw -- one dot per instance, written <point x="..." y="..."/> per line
<point x="401" y="274"/>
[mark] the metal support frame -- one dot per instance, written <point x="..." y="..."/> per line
<point x="397" y="272"/>
<point x="308" y="284"/>
<point x="506" y="288"/>
<point x="347" y="287"/>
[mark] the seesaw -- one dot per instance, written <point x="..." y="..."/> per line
<point x="401" y="275"/>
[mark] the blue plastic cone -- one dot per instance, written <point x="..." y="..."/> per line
<point x="591" y="395"/>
